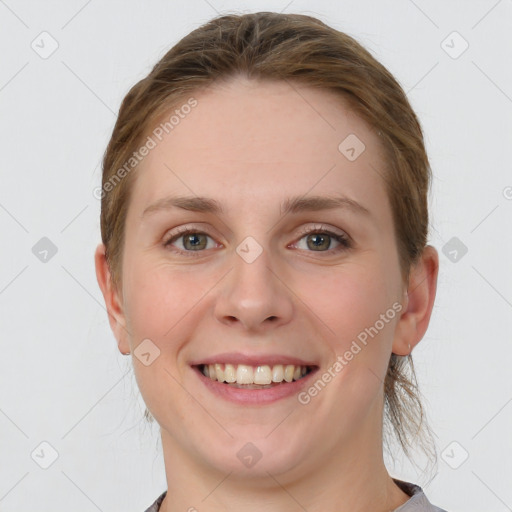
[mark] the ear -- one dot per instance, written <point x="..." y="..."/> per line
<point x="418" y="304"/>
<point x="113" y="301"/>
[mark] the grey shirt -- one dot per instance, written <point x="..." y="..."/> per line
<point x="417" y="503"/>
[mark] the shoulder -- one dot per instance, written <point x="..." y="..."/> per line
<point x="418" y="501"/>
<point x="155" y="507"/>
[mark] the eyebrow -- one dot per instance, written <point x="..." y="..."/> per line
<point x="291" y="205"/>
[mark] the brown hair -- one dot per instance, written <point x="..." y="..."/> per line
<point x="304" y="50"/>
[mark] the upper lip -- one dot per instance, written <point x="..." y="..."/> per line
<point x="252" y="359"/>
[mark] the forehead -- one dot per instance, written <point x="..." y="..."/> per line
<point x="261" y="139"/>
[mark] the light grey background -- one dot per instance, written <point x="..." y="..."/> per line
<point x="62" y="379"/>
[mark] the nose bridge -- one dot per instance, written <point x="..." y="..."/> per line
<point x="253" y="294"/>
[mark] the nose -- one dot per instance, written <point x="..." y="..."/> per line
<point x="254" y="295"/>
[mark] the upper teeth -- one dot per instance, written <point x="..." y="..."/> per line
<point x="263" y="374"/>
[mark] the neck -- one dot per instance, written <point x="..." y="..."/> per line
<point x="352" y="478"/>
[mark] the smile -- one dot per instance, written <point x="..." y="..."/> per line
<point x="255" y="384"/>
<point x="257" y="376"/>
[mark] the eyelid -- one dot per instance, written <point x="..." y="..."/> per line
<point x="323" y="228"/>
<point x="180" y="230"/>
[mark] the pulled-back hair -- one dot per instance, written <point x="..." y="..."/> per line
<point x="300" y="50"/>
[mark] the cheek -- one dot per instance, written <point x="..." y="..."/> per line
<point x="349" y="308"/>
<point x="161" y="307"/>
<point x="159" y="298"/>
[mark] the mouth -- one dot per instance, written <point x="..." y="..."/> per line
<point x="261" y="376"/>
<point x="247" y="379"/>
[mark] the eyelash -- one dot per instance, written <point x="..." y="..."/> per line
<point x="343" y="240"/>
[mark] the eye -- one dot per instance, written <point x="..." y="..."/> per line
<point x="319" y="239"/>
<point x="193" y="240"/>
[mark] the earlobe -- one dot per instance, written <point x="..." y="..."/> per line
<point x="418" y="303"/>
<point x="112" y="299"/>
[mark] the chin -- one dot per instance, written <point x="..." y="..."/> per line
<point x="256" y="456"/>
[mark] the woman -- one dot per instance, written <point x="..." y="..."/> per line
<point x="264" y="224"/>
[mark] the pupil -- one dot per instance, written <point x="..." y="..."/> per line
<point x="194" y="241"/>
<point x="318" y="240"/>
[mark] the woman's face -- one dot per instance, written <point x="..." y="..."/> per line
<point x="250" y="286"/>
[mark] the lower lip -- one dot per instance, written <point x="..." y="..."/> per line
<point x="254" y="396"/>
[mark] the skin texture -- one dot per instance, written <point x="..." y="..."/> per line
<point x="250" y="145"/>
